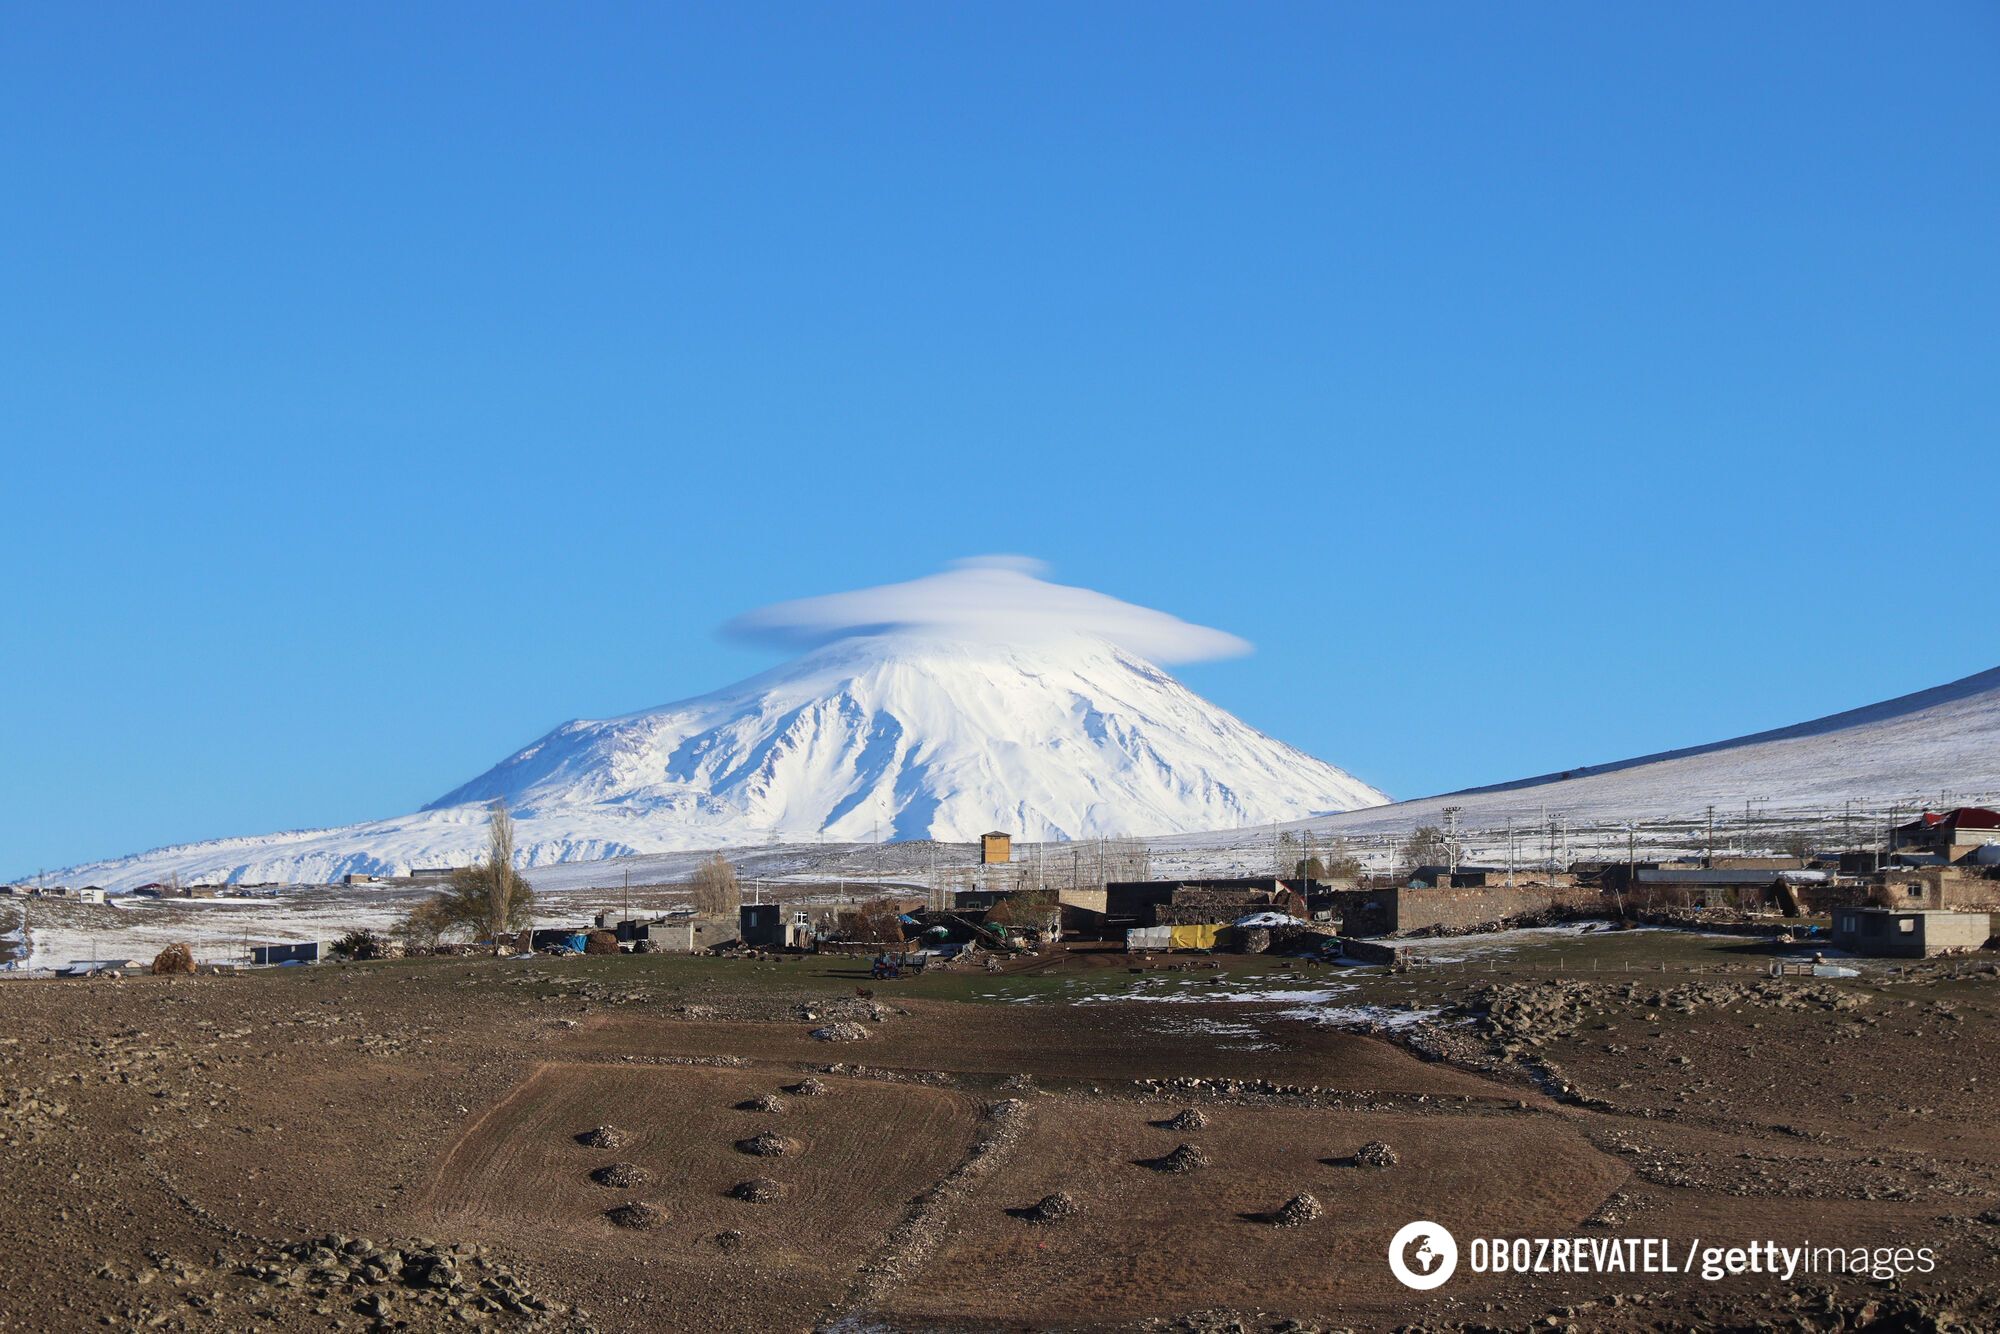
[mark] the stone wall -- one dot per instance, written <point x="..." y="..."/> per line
<point x="1937" y="887"/>
<point x="1378" y="912"/>
<point x="1463" y="909"/>
<point x="1196" y="907"/>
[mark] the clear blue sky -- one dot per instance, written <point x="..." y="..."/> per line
<point x="381" y="385"/>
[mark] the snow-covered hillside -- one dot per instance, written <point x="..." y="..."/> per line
<point x="1938" y="746"/>
<point x="874" y="737"/>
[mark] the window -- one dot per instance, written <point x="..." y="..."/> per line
<point x="1908" y="926"/>
<point x="1916" y="891"/>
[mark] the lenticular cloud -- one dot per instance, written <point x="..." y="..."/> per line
<point x="993" y="598"/>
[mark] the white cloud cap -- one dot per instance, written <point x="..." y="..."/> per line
<point x="990" y="598"/>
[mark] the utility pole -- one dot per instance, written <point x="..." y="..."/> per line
<point x="1748" y="802"/>
<point x="1510" y="852"/>
<point x="1451" y="838"/>
<point x="1709" y="860"/>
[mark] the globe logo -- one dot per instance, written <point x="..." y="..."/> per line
<point x="1422" y="1255"/>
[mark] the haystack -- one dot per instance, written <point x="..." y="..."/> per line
<point x="173" y="959"/>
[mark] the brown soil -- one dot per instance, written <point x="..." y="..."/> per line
<point x="349" y="1147"/>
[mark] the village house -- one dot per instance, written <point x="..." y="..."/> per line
<point x="768" y="926"/>
<point x="1902" y="933"/>
<point x="1969" y="833"/>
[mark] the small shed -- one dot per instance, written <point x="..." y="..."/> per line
<point x="1910" y="933"/>
<point x="769" y="926"/>
<point x="291" y="951"/>
<point x="995" y="848"/>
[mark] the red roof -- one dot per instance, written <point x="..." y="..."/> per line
<point x="1965" y="817"/>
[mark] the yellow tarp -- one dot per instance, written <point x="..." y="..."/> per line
<point x="1194" y="937"/>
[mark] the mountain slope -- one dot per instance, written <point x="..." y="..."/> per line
<point x="1934" y="744"/>
<point x="870" y="738"/>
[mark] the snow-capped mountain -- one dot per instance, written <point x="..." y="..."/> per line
<point x="873" y="737"/>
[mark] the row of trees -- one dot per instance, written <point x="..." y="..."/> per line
<point x="492" y="899"/>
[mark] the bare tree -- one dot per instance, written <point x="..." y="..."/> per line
<point x="1426" y="846"/>
<point x="491" y="899"/>
<point x="1335" y="863"/>
<point x="500" y="859"/>
<point x="717" y="893"/>
<point x="1797" y="843"/>
<point x="425" y="925"/>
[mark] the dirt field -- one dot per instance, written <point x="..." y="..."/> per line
<point x="395" y="1145"/>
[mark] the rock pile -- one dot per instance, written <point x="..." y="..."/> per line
<point x="602" y="1137"/>
<point x="763" y="1102"/>
<point x="1050" y="1209"/>
<point x="1296" y="1212"/>
<point x="842" y="1030"/>
<point x="623" y="1176"/>
<point x="1375" y="1154"/>
<point x="1519" y="1015"/>
<point x="1184" y="1158"/>
<point x="767" y="1144"/>
<point x="635" y="1214"/>
<point x="806" y="1088"/>
<point x="1190" y="1118"/>
<point x="757" y="1190"/>
<point x="397" y="1287"/>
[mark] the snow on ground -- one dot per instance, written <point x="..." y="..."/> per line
<point x="1492" y="944"/>
<point x="222" y="930"/>
<point x="1314" y="1003"/>
<point x="1190" y="992"/>
<point x="1939" y="746"/>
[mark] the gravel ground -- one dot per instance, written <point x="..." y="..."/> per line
<point x="253" y="1151"/>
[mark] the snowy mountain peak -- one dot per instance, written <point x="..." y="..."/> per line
<point x="979" y="698"/>
<point x="914" y="734"/>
